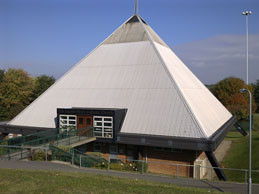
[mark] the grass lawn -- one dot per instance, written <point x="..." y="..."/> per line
<point x="238" y="155"/>
<point x="24" y="181"/>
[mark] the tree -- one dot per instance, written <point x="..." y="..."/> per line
<point x="42" y="83"/>
<point x="1" y="75"/>
<point x="16" y="92"/>
<point x="256" y="93"/>
<point x="228" y="93"/>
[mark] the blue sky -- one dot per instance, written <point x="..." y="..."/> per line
<point x="50" y="36"/>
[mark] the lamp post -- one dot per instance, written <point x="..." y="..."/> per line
<point x="247" y="13"/>
<point x="250" y="139"/>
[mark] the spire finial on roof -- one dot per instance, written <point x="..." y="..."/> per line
<point x="136" y="7"/>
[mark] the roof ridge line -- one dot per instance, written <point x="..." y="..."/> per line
<point x="172" y="79"/>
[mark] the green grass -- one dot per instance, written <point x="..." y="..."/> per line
<point x="25" y="181"/>
<point x="237" y="156"/>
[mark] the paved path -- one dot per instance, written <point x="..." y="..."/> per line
<point x="221" y="151"/>
<point x="219" y="186"/>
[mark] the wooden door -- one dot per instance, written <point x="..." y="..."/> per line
<point x="84" y="125"/>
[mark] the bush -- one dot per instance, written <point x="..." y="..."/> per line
<point x="118" y="166"/>
<point x="102" y="165"/>
<point x="95" y="154"/>
<point x="140" y="165"/>
<point x="65" y="148"/>
<point x="129" y="166"/>
<point x="38" y="156"/>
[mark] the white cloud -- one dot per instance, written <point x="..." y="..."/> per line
<point x="218" y="57"/>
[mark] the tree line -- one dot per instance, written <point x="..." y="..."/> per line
<point x="227" y="91"/>
<point x="18" y="89"/>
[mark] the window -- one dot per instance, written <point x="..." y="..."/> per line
<point x="167" y="149"/>
<point x="10" y="135"/>
<point x="113" y="149"/>
<point x="67" y="122"/>
<point x="176" y="150"/>
<point x="158" y="149"/>
<point x="113" y="152"/>
<point x="88" y="121"/>
<point x="97" y="147"/>
<point x="130" y="156"/>
<point x="103" y="127"/>
<point x="81" y="121"/>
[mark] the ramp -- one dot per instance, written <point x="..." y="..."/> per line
<point x="83" y="141"/>
<point x="20" y="147"/>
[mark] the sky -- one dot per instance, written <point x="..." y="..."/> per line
<point x="50" y="36"/>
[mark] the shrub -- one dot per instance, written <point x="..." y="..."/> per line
<point x="38" y="156"/>
<point x="118" y="166"/>
<point x="65" y="148"/>
<point x="95" y="154"/>
<point x="129" y="166"/>
<point x="102" y="165"/>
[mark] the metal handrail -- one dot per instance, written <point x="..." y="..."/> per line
<point x="46" y="139"/>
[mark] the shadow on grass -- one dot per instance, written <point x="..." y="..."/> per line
<point x="233" y="137"/>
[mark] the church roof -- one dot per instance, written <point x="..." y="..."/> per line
<point x="134" y="69"/>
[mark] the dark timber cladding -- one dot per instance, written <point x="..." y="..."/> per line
<point x="117" y="114"/>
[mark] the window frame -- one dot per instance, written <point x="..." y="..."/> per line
<point x="163" y="149"/>
<point x="96" y="144"/>
<point x="100" y="126"/>
<point x="66" y="125"/>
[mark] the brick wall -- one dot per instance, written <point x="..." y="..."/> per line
<point x="105" y="152"/>
<point x="155" y="158"/>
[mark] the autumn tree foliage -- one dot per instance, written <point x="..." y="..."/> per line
<point x="17" y="90"/>
<point x="256" y="94"/>
<point x="228" y="93"/>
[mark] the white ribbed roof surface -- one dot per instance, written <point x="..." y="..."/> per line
<point x="134" y="69"/>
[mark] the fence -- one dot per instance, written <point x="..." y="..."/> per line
<point x="13" y="145"/>
<point x="80" y="159"/>
<point x="176" y="170"/>
<point x="23" y="152"/>
<point x="75" y="157"/>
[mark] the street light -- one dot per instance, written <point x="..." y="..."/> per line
<point x="247" y="13"/>
<point x="250" y="138"/>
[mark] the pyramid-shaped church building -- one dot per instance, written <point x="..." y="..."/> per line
<point x="136" y="93"/>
